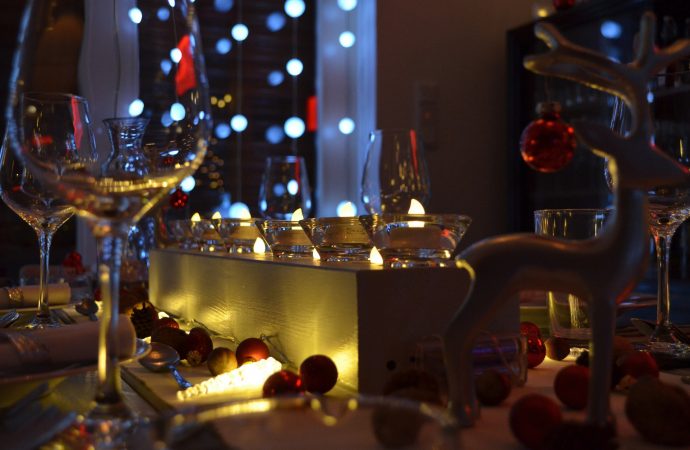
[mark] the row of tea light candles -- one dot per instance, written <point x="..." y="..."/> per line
<point x="396" y="240"/>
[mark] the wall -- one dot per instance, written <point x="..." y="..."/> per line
<point x="460" y="45"/>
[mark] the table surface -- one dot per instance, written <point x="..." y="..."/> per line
<point x="149" y="394"/>
<point x="490" y="432"/>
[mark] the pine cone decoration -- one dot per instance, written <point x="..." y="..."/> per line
<point x="144" y="319"/>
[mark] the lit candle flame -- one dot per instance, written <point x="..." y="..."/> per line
<point x="196" y="217"/>
<point x="375" y="257"/>
<point x="297" y="215"/>
<point x="315" y="255"/>
<point x="259" y="246"/>
<point x="415" y="207"/>
<point x="347" y="209"/>
<point x="216" y="216"/>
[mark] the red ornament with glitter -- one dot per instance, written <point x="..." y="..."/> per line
<point x="548" y="143"/>
<point x="284" y="382"/>
<point x="178" y="199"/>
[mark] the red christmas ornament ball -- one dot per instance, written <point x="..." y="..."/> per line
<point x="199" y="345"/>
<point x="571" y="385"/>
<point x="536" y="352"/>
<point x="529" y="329"/>
<point x="532" y="418"/>
<point x="639" y="364"/>
<point x="166" y="322"/>
<point x="178" y="199"/>
<point x="319" y="374"/>
<point x="284" y="382"/>
<point x="548" y="143"/>
<point x="251" y="350"/>
<point x="562" y="5"/>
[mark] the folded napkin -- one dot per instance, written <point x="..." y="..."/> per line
<point x="69" y="344"/>
<point x="27" y="296"/>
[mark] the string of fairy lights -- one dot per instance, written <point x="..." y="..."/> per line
<point x="293" y="127"/>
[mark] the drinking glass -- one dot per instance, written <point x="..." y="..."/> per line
<point x="568" y="314"/>
<point x="284" y="187"/>
<point x="43" y="211"/>
<point x="395" y="172"/>
<point x="125" y="62"/>
<point x="669" y="206"/>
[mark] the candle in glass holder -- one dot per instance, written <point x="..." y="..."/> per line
<point x="411" y="236"/>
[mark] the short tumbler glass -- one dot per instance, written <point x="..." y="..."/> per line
<point x="568" y="315"/>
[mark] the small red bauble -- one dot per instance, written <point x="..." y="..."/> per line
<point x="251" y="350"/>
<point x="166" y="322"/>
<point x="318" y="373"/>
<point x="529" y="329"/>
<point x="571" y="385"/>
<point x="562" y="5"/>
<point x="532" y="418"/>
<point x="73" y="259"/>
<point x="492" y="387"/>
<point x="178" y="199"/>
<point x="638" y="364"/>
<point x="284" y="382"/>
<point x="199" y="346"/>
<point x="536" y="352"/>
<point x="548" y="143"/>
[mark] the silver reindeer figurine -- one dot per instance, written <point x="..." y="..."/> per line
<point x="602" y="270"/>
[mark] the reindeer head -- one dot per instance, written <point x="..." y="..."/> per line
<point x="636" y="162"/>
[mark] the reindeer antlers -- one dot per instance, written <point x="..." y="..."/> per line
<point x="593" y="69"/>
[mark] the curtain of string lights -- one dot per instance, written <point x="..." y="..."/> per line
<point x="260" y="66"/>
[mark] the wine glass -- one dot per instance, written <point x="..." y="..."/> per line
<point x="669" y="207"/>
<point x="284" y="187"/>
<point x="125" y="62"/>
<point x="43" y="211"/>
<point x="395" y="172"/>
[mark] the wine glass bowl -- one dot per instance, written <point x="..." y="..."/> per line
<point x="416" y="240"/>
<point x="284" y="187"/>
<point x="395" y="172"/>
<point x="139" y="126"/>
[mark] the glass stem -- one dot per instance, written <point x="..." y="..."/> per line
<point x="662" y="243"/>
<point x="109" y="395"/>
<point x="44" y="240"/>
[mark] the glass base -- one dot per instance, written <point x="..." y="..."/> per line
<point x="410" y="263"/>
<point x="42" y="322"/>
<point x="664" y="333"/>
<point x="110" y="426"/>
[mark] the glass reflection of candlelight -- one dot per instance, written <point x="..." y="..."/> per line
<point x="375" y="257"/>
<point x="259" y="246"/>
<point x="315" y="255"/>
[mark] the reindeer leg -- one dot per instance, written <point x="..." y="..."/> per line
<point x="602" y="318"/>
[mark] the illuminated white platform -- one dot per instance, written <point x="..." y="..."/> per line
<point x="364" y="317"/>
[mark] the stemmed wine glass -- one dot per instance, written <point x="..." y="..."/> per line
<point x="125" y="59"/>
<point x="284" y="187"/>
<point x="395" y="172"/>
<point x="669" y="207"/>
<point x="43" y="211"/>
